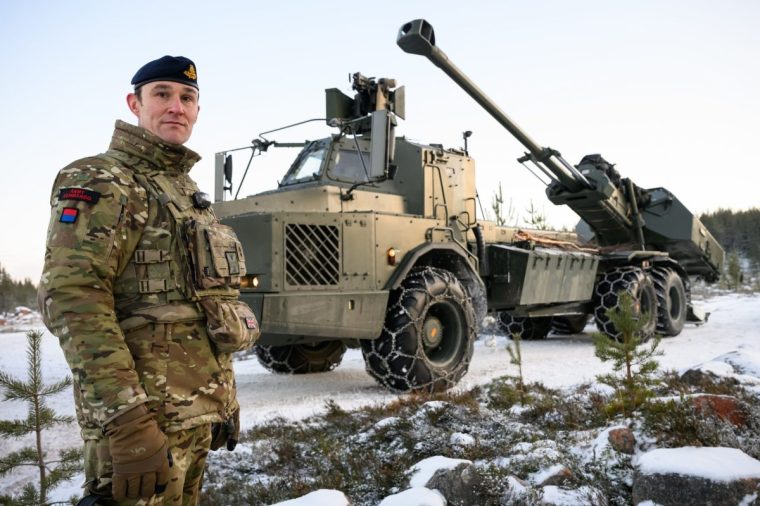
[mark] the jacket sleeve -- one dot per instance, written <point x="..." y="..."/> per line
<point x="96" y="220"/>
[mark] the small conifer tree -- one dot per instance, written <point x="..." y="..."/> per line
<point x="734" y="270"/>
<point x="634" y="366"/>
<point x="536" y="218"/>
<point x="39" y="418"/>
<point x="504" y="214"/>
<point x="515" y="358"/>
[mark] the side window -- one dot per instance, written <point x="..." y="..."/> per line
<point x="348" y="166"/>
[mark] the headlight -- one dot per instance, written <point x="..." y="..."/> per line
<point x="249" y="281"/>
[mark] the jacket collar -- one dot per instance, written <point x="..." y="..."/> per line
<point x="139" y="142"/>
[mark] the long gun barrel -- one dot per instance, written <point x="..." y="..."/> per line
<point x="418" y="37"/>
<point x="617" y="211"/>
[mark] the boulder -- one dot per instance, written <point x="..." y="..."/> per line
<point x="555" y="475"/>
<point x="696" y="476"/>
<point x="723" y="407"/>
<point x="622" y="440"/>
<point x="461" y="486"/>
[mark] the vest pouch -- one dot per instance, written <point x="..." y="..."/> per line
<point x="230" y="323"/>
<point x="216" y="254"/>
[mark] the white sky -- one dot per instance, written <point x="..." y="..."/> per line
<point x="667" y="90"/>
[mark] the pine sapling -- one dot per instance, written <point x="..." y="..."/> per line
<point x="503" y="216"/>
<point x="39" y="418"/>
<point x="634" y="366"/>
<point x="515" y="358"/>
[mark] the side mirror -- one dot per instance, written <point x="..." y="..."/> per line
<point x="228" y="172"/>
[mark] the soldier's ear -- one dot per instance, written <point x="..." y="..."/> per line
<point x="133" y="102"/>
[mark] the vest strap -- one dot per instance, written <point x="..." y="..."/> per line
<point x="153" y="286"/>
<point x="151" y="256"/>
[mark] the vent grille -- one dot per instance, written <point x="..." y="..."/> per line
<point x="312" y="255"/>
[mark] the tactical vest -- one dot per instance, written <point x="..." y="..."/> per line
<point x="186" y="266"/>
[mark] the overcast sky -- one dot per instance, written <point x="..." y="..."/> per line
<point x="668" y="90"/>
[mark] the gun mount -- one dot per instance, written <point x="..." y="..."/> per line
<point x="616" y="210"/>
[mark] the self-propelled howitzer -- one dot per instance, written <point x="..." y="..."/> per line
<point x="618" y="213"/>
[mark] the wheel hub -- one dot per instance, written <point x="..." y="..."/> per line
<point x="432" y="332"/>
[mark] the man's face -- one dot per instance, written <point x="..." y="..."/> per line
<point x="166" y="109"/>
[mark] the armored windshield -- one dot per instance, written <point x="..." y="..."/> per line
<point x="308" y="164"/>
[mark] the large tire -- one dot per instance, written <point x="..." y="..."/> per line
<point x="427" y="340"/>
<point x="567" y="325"/>
<point x="609" y="290"/>
<point x="301" y="358"/>
<point x="671" y="301"/>
<point x="526" y="327"/>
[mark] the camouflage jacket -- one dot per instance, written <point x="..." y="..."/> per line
<point x="140" y="285"/>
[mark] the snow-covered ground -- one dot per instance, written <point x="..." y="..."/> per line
<point x="556" y="361"/>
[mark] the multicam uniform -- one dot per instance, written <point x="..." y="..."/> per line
<point x="140" y="285"/>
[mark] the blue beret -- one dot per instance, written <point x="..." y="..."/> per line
<point x="167" y="68"/>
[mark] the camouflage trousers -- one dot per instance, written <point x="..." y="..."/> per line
<point x="188" y="448"/>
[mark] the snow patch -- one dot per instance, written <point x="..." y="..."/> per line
<point x="560" y="497"/>
<point x="322" y="497"/>
<point x="417" y="496"/>
<point x="461" y="439"/>
<point x="543" y="474"/>
<point x="715" y="464"/>
<point x="423" y="470"/>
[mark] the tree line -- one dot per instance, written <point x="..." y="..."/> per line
<point x="737" y="231"/>
<point x="16" y="293"/>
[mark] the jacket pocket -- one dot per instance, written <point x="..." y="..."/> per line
<point x="230" y="323"/>
<point x="216" y="255"/>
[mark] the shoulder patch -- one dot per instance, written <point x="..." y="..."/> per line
<point x="69" y="215"/>
<point x="81" y="194"/>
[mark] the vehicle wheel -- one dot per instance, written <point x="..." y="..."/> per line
<point x="609" y="290"/>
<point x="301" y="358"/>
<point x="572" y="324"/>
<point x="671" y="301"/>
<point x="528" y="328"/>
<point x="427" y="340"/>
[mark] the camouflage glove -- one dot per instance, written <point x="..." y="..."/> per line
<point x="226" y="432"/>
<point x="139" y="455"/>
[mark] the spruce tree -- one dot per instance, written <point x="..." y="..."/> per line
<point x="39" y="418"/>
<point x="634" y="366"/>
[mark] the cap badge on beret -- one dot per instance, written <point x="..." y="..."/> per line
<point x="190" y="72"/>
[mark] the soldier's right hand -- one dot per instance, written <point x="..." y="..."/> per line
<point x="139" y="455"/>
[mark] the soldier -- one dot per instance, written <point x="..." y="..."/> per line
<point x="140" y="285"/>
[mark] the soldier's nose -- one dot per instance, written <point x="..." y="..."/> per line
<point x="175" y="106"/>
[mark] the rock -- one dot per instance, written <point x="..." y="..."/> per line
<point x="461" y="486"/>
<point x="622" y="440"/>
<point x="555" y="475"/>
<point x="700" y="378"/>
<point x="418" y="496"/>
<point x="696" y="476"/>
<point x="723" y="407"/>
<point x="322" y="496"/>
